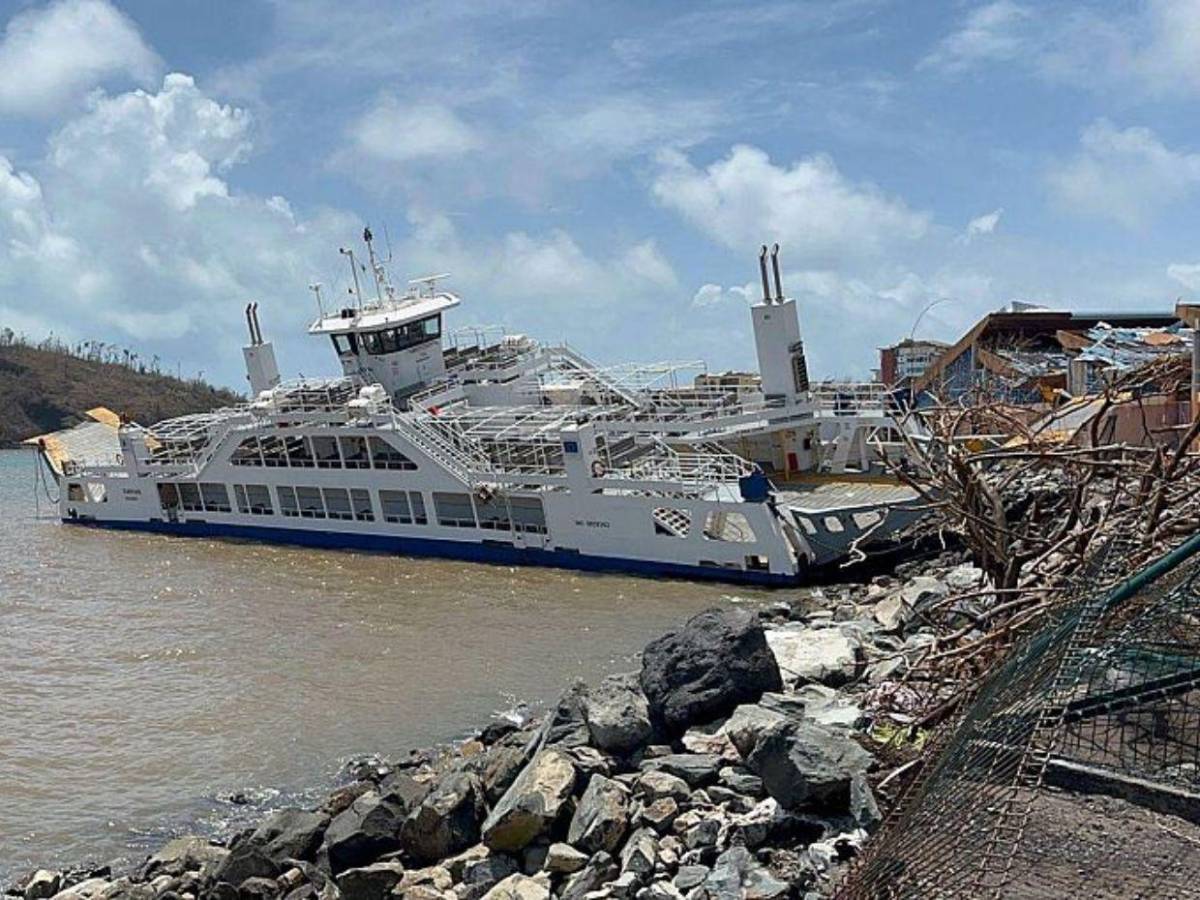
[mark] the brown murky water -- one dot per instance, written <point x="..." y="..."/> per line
<point x="144" y="678"/>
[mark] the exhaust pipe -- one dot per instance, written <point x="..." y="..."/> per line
<point x="775" y="269"/>
<point x="762" y="270"/>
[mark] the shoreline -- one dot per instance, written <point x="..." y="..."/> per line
<point x="740" y="753"/>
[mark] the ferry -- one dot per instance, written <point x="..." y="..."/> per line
<point x="477" y="444"/>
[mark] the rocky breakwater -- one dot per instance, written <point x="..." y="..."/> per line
<point x="732" y="765"/>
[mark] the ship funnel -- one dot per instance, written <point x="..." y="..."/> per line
<point x="261" y="369"/>
<point x="775" y="269"/>
<point x="762" y="270"/>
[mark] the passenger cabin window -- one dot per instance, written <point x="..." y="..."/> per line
<point x="385" y="456"/>
<point x="337" y="504"/>
<point x="287" y="501"/>
<point x="325" y="450"/>
<point x="454" y="510"/>
<point x="354" y="453"/>
<point x="254" y="499"/>
<point x="216" y="498"/>
<point x="189" y="497"/>
<point x="361" y="501"/>
<point x="168" y="495"/>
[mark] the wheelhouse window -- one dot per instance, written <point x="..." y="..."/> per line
<point x="392" y="340"/>
<point x="345" y="344"/>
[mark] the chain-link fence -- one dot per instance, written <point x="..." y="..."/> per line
<point x="1076" y="768"/>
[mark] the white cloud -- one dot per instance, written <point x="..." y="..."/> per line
<point x="1151" y="47"/>
<point x="131" y="233"/>
<point x="395" y="132"/>
<point x="1127" y="175"/>
<point x="816" y="212"/>
<point x="982" y="225"/>
<point x="1187" y="274"/>
<point x="995" y="32"/>
<point x="53" y="54"/>
<point x="715" y="295"/>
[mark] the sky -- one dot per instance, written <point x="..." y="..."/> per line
<point x="599" y="173"/>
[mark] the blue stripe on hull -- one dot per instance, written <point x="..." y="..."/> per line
<point x="434" y="547"/>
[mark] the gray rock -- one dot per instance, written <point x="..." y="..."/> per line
<point x="482" y="875"/>
<point x="660" y="890"/>
<point x="736" y="875"/>
<point x="618" y="715"/>
<point x="863" y="808"/>
<point x="623" y="887"/>
<point x="246" y="860"/>
<point x="697" y="769"/>
<point x="373" y="882"/>
<point x="520" y="887"/>
<point x="923" y="590"/>
<point x="742" y="781"/>
<point x="403" y="791"/>
<point x="653" y="784"/>
<point x="43" y="884"/>
<point x="446" y="821"/>
<point x="893" y="613"/>
<point x="533" y="857"/>
<point x="566" y="725"/>
<point x="600" y="870"/>
<point x="809" y="765"/>
<point x="827" y="707"/>
<point x="640" y="854"/>
<point x="529" y="809"/>
<point x="258" y="888"/>
<point x="660" y="814"/>
<point x="502" y="764"/>
<point x="965" y="577"/>
<point x="703" y="834"/>
<point x="689" y="877"/>
<point x="563" y="859"/>
<point x="184" y="853"/>
<point x="748" y="722"/>
<point x="362" y="833"/>
<point x="718" y="660"/>
<point x="291" y="834"/>
<point x="831" y="656"/>
<point x="601" y="816"/>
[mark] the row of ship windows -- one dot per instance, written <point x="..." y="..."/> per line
<point x="320" y="452"/>
<point x="354" y="504"/>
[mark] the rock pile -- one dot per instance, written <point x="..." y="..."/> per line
<point x="728" y="767"/>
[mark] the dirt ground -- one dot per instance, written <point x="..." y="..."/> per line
<point x="1100" y="847"/>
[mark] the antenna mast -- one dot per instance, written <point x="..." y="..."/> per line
<point x="315" y="287"/>
<point x="354" y="273"/>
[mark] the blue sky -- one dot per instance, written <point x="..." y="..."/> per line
<point x="601" y="173"/>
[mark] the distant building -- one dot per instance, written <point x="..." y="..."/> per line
<point x="907" y="360"/>
<point x="1028" y="354"/>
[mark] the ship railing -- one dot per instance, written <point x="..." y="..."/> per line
<point x="698" y="467"/>
<point x="443" y="443"/>
<point x="851" y="398"/>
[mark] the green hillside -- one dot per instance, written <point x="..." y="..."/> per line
<point x="47" y="387"/>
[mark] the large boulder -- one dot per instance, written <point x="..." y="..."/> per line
<point x="480" y="876"/>
<point x="618" y="715"/>
<point x="566" y="724"/>
<point x="809" y="765"/>
<point x="717" y="661"/>
<point x="536" y="800"/>
<point x="830" y="656"/>
<point x="601" y="817"/>
<point x="363" y="833"/>
<point x="291" y="834"/>
<point x="446" y="821"/>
